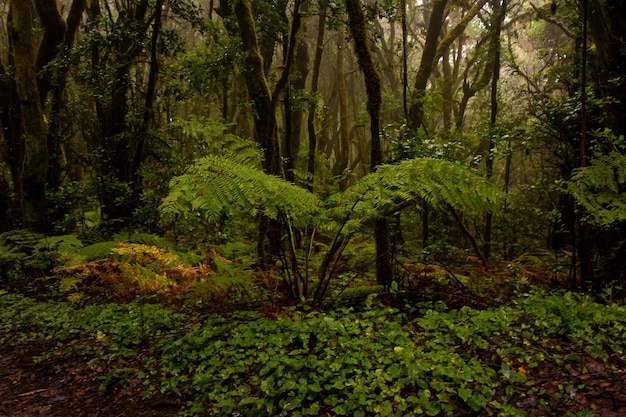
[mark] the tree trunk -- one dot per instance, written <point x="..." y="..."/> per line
<point x="258" y="88"/>
<point x="148" y="112"/>
<point x="35" y="159"/>
<point x="499" y="11"/>
<point x="607" y="30"/>
<point x="264" y="113"/>
<point x="115" y="167"/>
<point x="435" y="23"/>
<point x="342" y="146"/>
<point x="358" y="29"/>
<point x="12" y="151"/>
<point x="317" y="61"/>
<point x="294" y="74"/>
<point x="54" y="28"/>
<point x="57" y="126"/>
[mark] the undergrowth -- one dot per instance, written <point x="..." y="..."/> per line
<point x="374" y="362"/>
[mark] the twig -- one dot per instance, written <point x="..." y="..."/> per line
<point x="37" y="391"/>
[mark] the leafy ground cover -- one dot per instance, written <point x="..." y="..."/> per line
<point x="540" y="355"/>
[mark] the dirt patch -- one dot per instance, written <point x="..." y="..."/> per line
<point x="62" y="387"/>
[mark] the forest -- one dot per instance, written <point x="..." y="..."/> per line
<point x="299" y="207"/>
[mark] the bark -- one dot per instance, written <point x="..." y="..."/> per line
<point x="317" y="61"/>
<point x="480" y="81"/>
<point x="264" y="121"/>
<point x="435" y="23"/>
<point x="434" y="49"/>
<point x="294" y="115"/>
<point x="12" y="150"/>
<point x="54" y="29"/>
<point x="499" y="12"/>
<point x="447" y="93"/>
<point x="284" y="83"/>
<point x="358" y="30"/>
<point x="258" y="88"/>
<point x="457" y="30"/>
<point x="584" y="241"/>
<point x="57" y="128"/>
<point x="272" y="31"/>
<point x="148" y="113"/>
<point x="607" y="31"/>
<point x="115" y="168"/>
<point x="405" y="63"/>
<point x="35" y="158"/>
<point x="342" y="146"/>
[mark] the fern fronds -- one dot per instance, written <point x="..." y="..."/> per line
<point x="217" y="185"/>
<point x="215" y="141"/>
<point x="64" y="244"/>
<point x="601" y="188"/>
<point x="22" y="240"/>
<point x="440" y="183"/>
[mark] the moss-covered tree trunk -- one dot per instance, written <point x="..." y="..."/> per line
<point x="58" y="39"/>
<point x="358" y="29"/>
<point x="435" y="24"/>
<point x="342" y="146"/>
<point x="264" y="120"/>
<point x="258" y="87"/>
<point x="34" y="163"/>
<point x="317" y="61"/>
<point x="294" y="115"/>
<point x="499" y="12"/>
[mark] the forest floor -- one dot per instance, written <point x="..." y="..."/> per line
<point x="61" y="387"/>
<point x="67" y="387"/>
<point x="39" y="379"/>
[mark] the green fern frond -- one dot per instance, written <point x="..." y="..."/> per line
<point x="96" y="251"/>
<point x="22" y="240"/>
<point x="440" y="183"/>
<point x="64" y="244"/>
<point x="216" y="185"/>
<point x="601" y="188"/>
<point x="215" y="141"/>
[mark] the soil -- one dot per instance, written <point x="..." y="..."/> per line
<point x="67" y="387"/>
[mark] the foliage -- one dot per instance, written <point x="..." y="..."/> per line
<point x="132" y="265"/>
<point x="218" y="186"/>
<point x="600" y="188"/>
<point x="376" y="362"/>
<point x="131" y="270"/>
<point x="441" y="183"/>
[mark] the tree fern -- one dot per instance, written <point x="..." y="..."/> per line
<point x="601" y="188"/>
<point x="441" y="183"/>
<point x="220" y="184"/>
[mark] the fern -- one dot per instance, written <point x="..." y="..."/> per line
<point x="21" y="240"/>
<point x="215" y="141"/>
<point x="601" y="188"/>
<point x="217" y="185"/>
<point x="440" y="183"/>
<point x="64" y="244"/>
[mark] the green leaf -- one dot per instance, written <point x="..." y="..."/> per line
<point x="464" y="393"/>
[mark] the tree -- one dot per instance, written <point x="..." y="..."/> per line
<point x="358" y="30"/>
<point x="32" y="154"/>
<point x="498" y="14"/>
<point x="265" y="105"/>
<point x="317" y="62"/>
<point x="435" y="24"/>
